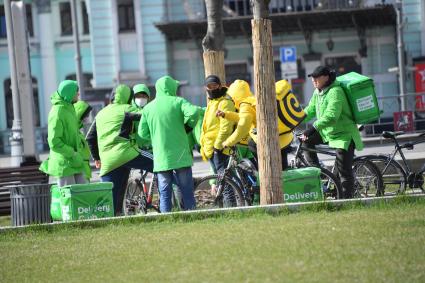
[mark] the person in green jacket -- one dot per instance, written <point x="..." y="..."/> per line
<point x="82" y="110"/>
<point x="164" y="122"/>
<point x="65" y="161"/>
<point x="109" y="140"/>
<point x="141" y="98"/>
<point x="334" y="125"/>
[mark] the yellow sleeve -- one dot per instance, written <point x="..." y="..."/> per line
<point x="231" y="116"/>
<point x="226" y="125"/>
<point x="244" y="125"/>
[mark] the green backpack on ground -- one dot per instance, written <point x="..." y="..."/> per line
<point x="361" y="96"/>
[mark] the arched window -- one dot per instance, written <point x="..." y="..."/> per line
<point x="9" y="102"/>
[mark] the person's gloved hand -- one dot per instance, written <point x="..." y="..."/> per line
<point x="309" y="132"/>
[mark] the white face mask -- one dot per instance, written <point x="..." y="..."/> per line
<point x="141" y="102"/>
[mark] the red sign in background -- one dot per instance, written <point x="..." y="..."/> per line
<point x="420" y="85"/>
<point x="403" y="121"/>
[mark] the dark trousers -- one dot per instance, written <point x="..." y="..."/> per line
<point x="343" y="162"/>
<point x="283" y="153"/>
<point x="119" y="177"/>
<point x="219" y="162"/>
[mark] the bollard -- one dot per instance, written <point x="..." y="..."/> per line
<point x="30" y="204"/>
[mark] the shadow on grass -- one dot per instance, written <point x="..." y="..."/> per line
<point x="222" y="214"/>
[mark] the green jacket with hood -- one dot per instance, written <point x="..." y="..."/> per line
<point x="334" y="119"/>
<point x="141" y="143"/>
<point x="163" y="122"/>
<point x="109" y="136"/>
<point x="63" y="135"/>
<point x="82" y="109"/>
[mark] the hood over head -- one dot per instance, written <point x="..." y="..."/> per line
<point x="283" y="87"/>
<point x="122" y="95"/>
<point x="67" y="90"/>
<point x="141" y="88"/>
<point x="82" y="109"/>
<point x="238" y="91"/>
<point x="166" y="86"/>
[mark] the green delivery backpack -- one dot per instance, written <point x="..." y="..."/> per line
<point x="361" y="96"/>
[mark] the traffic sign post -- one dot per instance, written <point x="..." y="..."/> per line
<point x="288" y="59"/>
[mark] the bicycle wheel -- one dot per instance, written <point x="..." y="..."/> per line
<point x="393" y="176"/>
<point x="367" y="179"/>
<point x="331" y="186"/>
<point x="206" y="200"/>
<point x="135" y="200"/>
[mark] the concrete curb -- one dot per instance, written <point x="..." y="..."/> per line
<point x="274" y="208"/>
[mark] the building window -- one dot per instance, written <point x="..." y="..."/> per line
<point x="9" y="102"/>
<point x="238" y="71"/>
<point x="344" y="64"/>
<point x="3" y="30"/>
<point x="66" y="18"/>
<point x="126" y="16"/>
<point x="85" y="16"/>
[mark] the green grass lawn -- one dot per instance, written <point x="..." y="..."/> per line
<point x="382" y="243"/>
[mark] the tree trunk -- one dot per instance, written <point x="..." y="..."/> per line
<point x="269" y="159"/>
<point x="213" y="41"/>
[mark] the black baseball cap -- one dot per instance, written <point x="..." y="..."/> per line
<point x="320" y="71"/>
<point x="212" y="79"/>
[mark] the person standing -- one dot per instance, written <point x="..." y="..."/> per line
<point x="215" y="130"/>
<point x="109" y="139"/>
<point x="164" y="122"/>
<point x="334" y="125"/>
<point x="65" y="161"/>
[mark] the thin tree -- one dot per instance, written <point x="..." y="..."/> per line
<point x="269" y="159"/>
<point x="213" y="42"/>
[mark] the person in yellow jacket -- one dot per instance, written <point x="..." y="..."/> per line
<point x="215" y="130"/>
<point x="246" y="121"/>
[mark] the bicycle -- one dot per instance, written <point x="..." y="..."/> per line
<point x="139" y="194"/>
<point x="367" y="177"/>
<point x="239" y="176"/>
<point x="397" y="176"/>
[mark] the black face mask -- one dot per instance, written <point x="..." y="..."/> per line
<point x="215" y="93"/>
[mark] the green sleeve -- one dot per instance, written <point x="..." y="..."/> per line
<point x="143" y="130"/>
<point x="190" y="113"/>
<point x="55" y="137"/>
<point x="332" y="112"/>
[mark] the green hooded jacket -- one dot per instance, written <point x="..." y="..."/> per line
<point x="163" y="122"/>
<point x="334" y="119"/>
<point x="82" y="109"/>
<point x="143" y="144"/>
<point x="113" y="139"/>
<point x="63" y="135"/>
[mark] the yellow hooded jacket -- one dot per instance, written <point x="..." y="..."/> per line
<point x="216" y="130"/>
<point x="246" y="120"/>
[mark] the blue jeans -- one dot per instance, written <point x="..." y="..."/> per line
<point x="184" y="179"/>
<point x="119" y="177"/>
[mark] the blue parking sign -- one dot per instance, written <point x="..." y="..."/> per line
<point x="288" y="54"/>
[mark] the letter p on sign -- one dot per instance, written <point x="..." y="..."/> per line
<point x="288" y="54"/>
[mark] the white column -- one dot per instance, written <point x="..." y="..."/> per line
<point x="308" y="87"/>
<point x="140" y="42"/>
<point x="47" y="52"/>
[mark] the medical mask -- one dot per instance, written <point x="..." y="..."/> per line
<point x="141" y="102"/>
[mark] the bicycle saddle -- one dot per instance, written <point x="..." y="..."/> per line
<point x="391" y="135"/>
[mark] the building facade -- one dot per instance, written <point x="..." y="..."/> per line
<point x="132" y="41"/>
